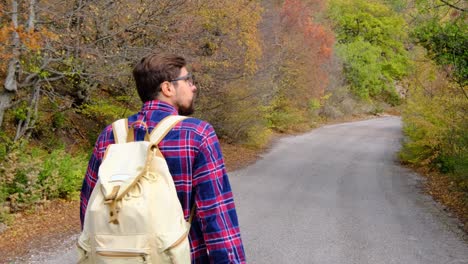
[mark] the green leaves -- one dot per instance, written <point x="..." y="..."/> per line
<point x="435" y="122"/>
<point x="30" y="175"/>
<point x="446" y="43"/>
<point x="371" y="43"/>
<point x="363" y="67"/>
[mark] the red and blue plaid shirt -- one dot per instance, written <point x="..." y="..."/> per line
<point x="194" y="157"/>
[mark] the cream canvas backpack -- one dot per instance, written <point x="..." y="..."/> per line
<point x="133" y="214"/>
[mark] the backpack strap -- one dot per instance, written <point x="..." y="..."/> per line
<point x="192" y="213"/>
<point x="131" y="131"/>
<point x="123" y="134"/>
<point x="163" y="127"/>
<point x="120" y="130"/>
<point x="160" y="131"/>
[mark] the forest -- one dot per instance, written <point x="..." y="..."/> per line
<point x="261" y="67"/>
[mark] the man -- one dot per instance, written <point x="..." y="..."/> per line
<point x="193" y="154"/>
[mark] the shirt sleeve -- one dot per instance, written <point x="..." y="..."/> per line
<point x="91" y="175"/>
<point x="215" y="204"/>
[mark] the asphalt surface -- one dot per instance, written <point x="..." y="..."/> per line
<point x="336" y="195"/>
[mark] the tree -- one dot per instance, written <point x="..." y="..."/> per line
<point x="314" y="41"/>
<point x="23" y="40"/>
<point x="305" y="49"/>
<point x="435" y="121"/>
<point x="80" y="50"/>
<point x="376" y="26"/>
<point x="66" y="73"/>
<point x="443" y="31"/>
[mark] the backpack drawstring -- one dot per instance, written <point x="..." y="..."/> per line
<point x="113" y="197"/>
<point x="111" y="200"/>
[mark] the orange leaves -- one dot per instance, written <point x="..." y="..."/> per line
<point x="311" y="40"/>
<point x="34" y="40"/>
<point x="5" y="40"/>
<point x="296" y="15"/>
<point x="31" y="39"/>
<point x="5" y="34"/>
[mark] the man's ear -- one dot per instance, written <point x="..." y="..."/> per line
<point x="167" y="89"/>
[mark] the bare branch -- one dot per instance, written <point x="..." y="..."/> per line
<point x="25" y="125"/>
<point x="463" y="90"/>
<point x="56" y="78"/>
<point x="454" y="6"/>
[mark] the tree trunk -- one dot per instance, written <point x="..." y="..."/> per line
<point x="5" y="99"/>
<point x="32" y="15"/>
<point x="10" y="83"/>
<point x="26" y="125"/>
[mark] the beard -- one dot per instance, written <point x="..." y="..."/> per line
<point x="187" y="110"/>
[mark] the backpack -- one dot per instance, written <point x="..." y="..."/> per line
<point x="134" y="214"/>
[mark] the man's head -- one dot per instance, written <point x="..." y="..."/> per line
<point x="165" y="77"/>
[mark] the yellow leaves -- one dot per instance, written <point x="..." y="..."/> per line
<point x="434" y="116"/>
<point x="141" y="10"/>
<point x="230" y="30"/>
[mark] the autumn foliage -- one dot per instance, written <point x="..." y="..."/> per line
<point x="317" y="40"/>
<point x="296" y="15"/>
<point x="305" y="48"/>
<point x="68" y="65"/>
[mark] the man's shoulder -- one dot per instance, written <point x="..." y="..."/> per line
<point x="195" y="125"/>
<point x="105" y="138"/>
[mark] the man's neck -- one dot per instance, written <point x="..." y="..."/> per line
<point x="166" y="100"/>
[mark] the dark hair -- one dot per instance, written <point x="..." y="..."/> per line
<point x="154" y="69"/>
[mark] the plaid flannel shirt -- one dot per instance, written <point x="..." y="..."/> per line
<point x="194" y="157"/>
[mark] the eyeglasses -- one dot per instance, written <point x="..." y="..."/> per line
<point x="189" y="78"/>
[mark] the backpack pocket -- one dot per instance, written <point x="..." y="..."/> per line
<point x="83" y="255"/>
<point x="83" y="248"/>
<point x="174" y="247"/>
<point x="123" y="249"/>
<point x="180" y="251"/>
<point x="104" y="256"/>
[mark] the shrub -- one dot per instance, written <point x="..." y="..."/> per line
<point x="436" y="124"/>
<point x="61" y="174"/>
<point x="103" y="111"/>
<point x="240" y="117"/>
<point x="31" y="175"/>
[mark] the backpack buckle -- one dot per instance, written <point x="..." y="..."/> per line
<point x="111" y="197"/>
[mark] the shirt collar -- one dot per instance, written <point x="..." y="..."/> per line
<point x="160" y="106"/>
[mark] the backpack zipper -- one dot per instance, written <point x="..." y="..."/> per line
<point x="122" y="255"/>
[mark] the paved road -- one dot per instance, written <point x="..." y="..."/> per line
<point x="337" y="196"/>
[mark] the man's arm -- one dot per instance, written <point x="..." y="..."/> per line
<point x="215" y="204"/>
<point x="89" y="182"/>
<point x="91" y="175"/>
